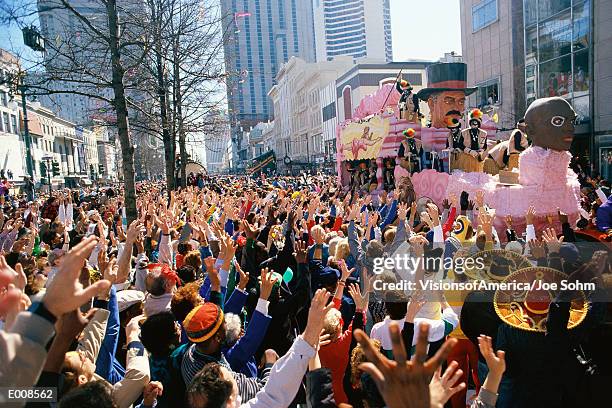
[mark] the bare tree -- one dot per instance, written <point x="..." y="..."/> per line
<point x="92" y="52"/>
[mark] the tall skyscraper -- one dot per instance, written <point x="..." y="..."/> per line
<point x="359" y="28"/>
<point x="260" y="35"/>
<point x="70" y="44"/>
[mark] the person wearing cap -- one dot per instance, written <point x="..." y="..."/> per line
<point x="454" y="143"/>
<point x="408" y="103"/>
<point x="410" y="151"/>
<point x="285" y="375"/>
<point x="475" y="142"/>
<point x="206" y="330"/>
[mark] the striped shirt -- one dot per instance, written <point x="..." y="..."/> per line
<point x="193" y="361"/>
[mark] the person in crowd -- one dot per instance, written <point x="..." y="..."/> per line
<point x="235" y="291"/>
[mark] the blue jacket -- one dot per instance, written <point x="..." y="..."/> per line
<point x="241" y="356"/>
<point x="107" y="366"/>
<point x="604" y="216"/>
<point x="324" y="250"/>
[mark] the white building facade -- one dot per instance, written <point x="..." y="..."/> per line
<point x="12" y="153"/>
<point x="358" y="28"/>
<point x="298" y="127"/>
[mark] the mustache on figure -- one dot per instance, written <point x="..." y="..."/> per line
<point x="453" y="112"/>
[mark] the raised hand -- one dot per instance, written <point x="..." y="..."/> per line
<point x="434" y="215"/>
<point x="414" y="306"/>
<point x="552" y="242"/>
<point x="402" y="383"/>
<point x="267" y="283"/>
<point x="418" y="242"/>
<point x="346" y="272"/>
<point x="508" y="221"/>
<point x="530" y="215"/>
<point x="402" y="211"/>
<point x="250" y="231"/>
<point x="441" y="387"/>
<point x="150" y="393"/>
<point x="318" y="309"/>
<point x="71" y="324"/>
<point x="486" y="223"/>
<point x="537" y="249"/>
<point x="65" y="293"/>
<point x="244" y="276"/>
<point x="496" y="362"/>
<point x="361" y="301"/>
<point x="133" y="230"/>
<point x="300" y="253"/>
<point x="479" y="199"/>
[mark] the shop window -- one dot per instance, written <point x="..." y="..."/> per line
<point x="581" y="72"/>
<point x="555" y="77"/>
<point x="488" y="93"/>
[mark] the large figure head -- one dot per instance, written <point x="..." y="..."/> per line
<point x="445" y="93"/>
<point x="550" y="123"/>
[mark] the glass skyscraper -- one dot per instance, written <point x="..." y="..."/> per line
<point x="260" y="35"/>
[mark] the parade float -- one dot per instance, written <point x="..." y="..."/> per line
<point x="369" y="146"/>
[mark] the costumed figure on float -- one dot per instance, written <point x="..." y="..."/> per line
<point x="505" y="155"/>
<point x="408" y="104"/>
<point x="475" y="144"/>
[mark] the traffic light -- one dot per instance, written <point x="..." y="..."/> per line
<point x="100" y="168"/>
<point x="43" y="170"/>
<point x="55" y="168"/>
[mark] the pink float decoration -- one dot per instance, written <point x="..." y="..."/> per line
<point x="432" y="184"/>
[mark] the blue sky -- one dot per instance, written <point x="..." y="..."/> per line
<point x="421" y="30"/>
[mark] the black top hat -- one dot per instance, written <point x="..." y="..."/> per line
<point x="446" y="77"/>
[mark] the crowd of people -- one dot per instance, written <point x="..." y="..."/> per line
<point x="235" y="292"/>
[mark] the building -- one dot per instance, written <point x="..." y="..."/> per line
<point x="63" y="30"/>
<point x="90" y="145"/>
<point x="520" y="50"/>
<point x="261" y="35"/>
<point x="364" y="79"/>
<point x="298" y="127"/>
<point x="267" y="137"/>
<point x="358" y="28"/>
<point x="13" y="152"/>
<point x="491" y="41"/>
<point x="108" y="166"/>
<point x="216" y="147"/>
<point x="57" y="140"/>
<point x="256" y="139"/>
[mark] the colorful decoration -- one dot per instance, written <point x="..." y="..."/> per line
<point x="363" y="140"/>
<point x="410" y="132"/>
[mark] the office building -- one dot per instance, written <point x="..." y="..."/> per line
<point x="520" y="50"/>
<point x="359" y="28"/>
<point x="491" y="40"/>
<point x="260" y="36"/>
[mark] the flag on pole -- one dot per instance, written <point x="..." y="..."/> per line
<point x="242" y="14"/>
